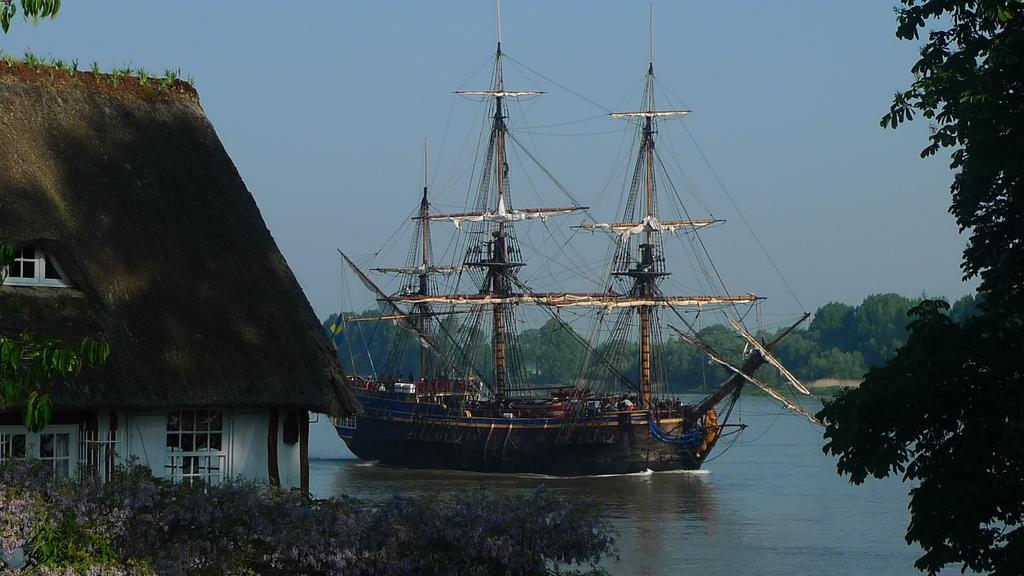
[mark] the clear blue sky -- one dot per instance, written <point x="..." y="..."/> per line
<point x="324" y="107"/>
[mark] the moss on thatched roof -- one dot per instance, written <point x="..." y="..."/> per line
<point x="120" y="81"/>
<point x="172" y="263"/>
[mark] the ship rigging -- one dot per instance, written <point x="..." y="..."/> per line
<point x="472" y="371"/>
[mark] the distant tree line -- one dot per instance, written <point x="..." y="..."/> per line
<point x="842" y="341"/>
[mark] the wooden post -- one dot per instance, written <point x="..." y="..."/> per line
<point x="110" y="448"/>
<point x="304" y="451"/>
<point x="647" y="256"/>
<point x="645" y="358"/>
<point x="501" y="386"/>
<point x="273" y="472"/>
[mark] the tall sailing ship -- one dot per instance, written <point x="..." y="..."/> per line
<point x="470" y="408"/>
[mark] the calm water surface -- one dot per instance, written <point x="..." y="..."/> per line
<point x="770" y="503"/>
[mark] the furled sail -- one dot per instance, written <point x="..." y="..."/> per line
<point x="499" y="93"/>
<point x="648" y="224"/>
<point x="417" y="270"/>
<point x="503" y="214"/>
<point x="650" y="114"/>
<point x="768" y="356"/>
<point x="570" y="299"/>
<point x="717" y="358"/>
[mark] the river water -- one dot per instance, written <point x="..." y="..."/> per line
<point x="768" y="504"/>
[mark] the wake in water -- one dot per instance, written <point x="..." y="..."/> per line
<point x="698" y="472"/>
<point x="643" y="474"/>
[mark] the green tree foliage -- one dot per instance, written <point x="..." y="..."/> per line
<point x="833" y="363"/>
<point x="831" y="325"/>
<point x="29" y="361"/>
<point x="947" y="412"/>
<point x="368" y="346"/>
<point x="875" y="329"/>
<point x="879" y="326"/>
<point x="553" y="353"/>
<point x="686" y="367"/>
<point x="30" y="9"/>
<point x="375" y="346"/>
<point x="964" y="308"/>
<point x="624" y="359"/>
<point x="454" y="338"/>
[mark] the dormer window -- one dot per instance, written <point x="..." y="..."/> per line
<point x="33" y="266"/>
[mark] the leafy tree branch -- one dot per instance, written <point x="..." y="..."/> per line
<point x="34" y="9"/>
<point x="947" y="412"/>
<point x="29" y="361"/>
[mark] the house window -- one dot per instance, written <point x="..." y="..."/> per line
<point x="34" y="266"/>
<point x="55" y="452"/>
<point x="12" y="446"/>
<point x="195" y="445"/>
<point x="52" y="447"/>
<point x="98" y="452"/>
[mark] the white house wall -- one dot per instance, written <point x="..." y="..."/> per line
<point x="143" y="439"/>
<point x="247" y="444"/>
<point x="146" y="442"/>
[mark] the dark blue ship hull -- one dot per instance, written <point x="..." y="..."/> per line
<point x="396" y="430"/>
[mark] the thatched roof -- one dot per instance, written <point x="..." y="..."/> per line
<point x="173" y="265"/>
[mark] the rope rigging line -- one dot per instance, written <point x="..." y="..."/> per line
<point x="738" y="433"/>
<point x="556" y="83"/>
<point x="696" y="334"/>
<point x="619" y="164"/>
<point x="588" y="274"/>
<point x="394" y="234"/>
<point x="546" y="172"/>
<point x="768" y="429"/>
<point x="342" y="286"/>
<point x="566" y="134"/>
<point x="362" y="336"/>
<point x="570" y="122"/>
<point x="444" y="140"/>
<point x="696" y="233"/>
<point x="667" y="140"/>
<point x="676" y="101"/>
<point x="746" y="223"/>
<point x="526" y="290"/>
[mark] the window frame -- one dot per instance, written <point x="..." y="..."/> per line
<point x="41" y="259"/>
<point x="196" y="464"/>
<point x="34" y="444"/>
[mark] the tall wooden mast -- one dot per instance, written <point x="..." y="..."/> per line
<point x="646" y="272"/>
<point x="498" y="273"/>
<point x="648" y="268"/>
<point x="424" y="276"/>
<point x="418" y="271"/>
<point x="646" y="282"/>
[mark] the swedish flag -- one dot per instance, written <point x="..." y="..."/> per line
<point x="336" y="327"/>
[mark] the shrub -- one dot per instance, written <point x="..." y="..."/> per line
<point x="135" y="523"/>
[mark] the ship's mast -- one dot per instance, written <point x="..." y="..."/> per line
<point x="498" y="273"/>
<point x="418" y="270"/>
<point x="497" y="255"/>
<point x="646" y="282"/>
<point x="648" y="270"/>
<point x="424" y="276"/>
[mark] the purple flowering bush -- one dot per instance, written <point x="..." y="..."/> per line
<point x="138" y="524"/>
